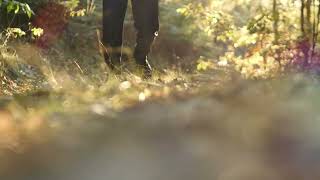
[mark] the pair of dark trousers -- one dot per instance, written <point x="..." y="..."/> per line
<point x="146" y="22"/>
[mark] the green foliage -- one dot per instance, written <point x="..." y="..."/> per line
<point x="11" y="11"/>
<point x="246" y="35"/>
<point x="12" y="6"/>
<point x="211" y="22"/>
<point x="204" y="64"/>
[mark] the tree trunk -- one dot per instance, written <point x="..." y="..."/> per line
<point x="308" y="18"/>
<point x="302" y="18"/>
<point x="275" y="22"/>
<point x="275" y="14"/>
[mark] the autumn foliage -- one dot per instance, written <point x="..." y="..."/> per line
<point x="53" y="19"/>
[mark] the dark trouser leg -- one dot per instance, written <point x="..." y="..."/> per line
<point x="113" y="18"/>
<point x="146" y="17"/>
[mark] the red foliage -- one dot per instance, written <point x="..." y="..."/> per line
<point x="305" y="58"/>
<point x="53" y="19"/>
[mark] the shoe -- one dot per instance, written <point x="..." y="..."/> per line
<point x="146" y="68"/>
<point x="113" y="62"/>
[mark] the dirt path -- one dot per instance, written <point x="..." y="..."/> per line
<point x="233" y="134"/>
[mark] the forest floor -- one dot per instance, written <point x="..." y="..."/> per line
<point x="64" y="116"/>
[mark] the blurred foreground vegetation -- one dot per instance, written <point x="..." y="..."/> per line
<point x="235" y="94"/>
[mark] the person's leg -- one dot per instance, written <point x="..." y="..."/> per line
<point x="146" y="17"/>
<point x="113" y="18"/>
